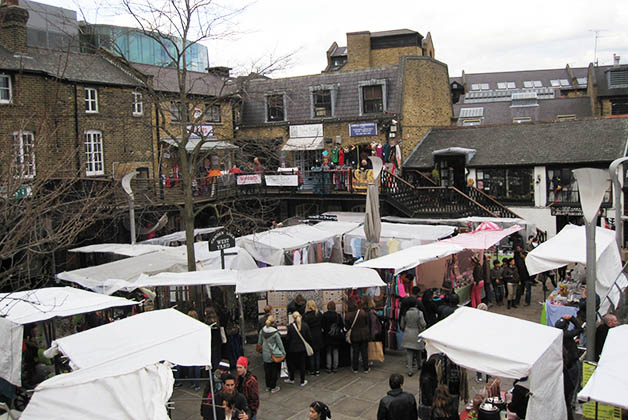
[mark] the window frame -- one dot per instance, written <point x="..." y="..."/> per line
<point x="521" y="120"/>
<point x="507" y="184"/>
<point x="212" y="113"/>
<point x="138" y="105"/>
<point x="384" y="94"/>
<point x="91" y="101"/>
<point x="9" y="88"/>
<point x="176" y="110"/>
<point x="270" y="104"/>
<point x="326" y="105"/>
<point x="20" y="154"/>
<point x="470" y="122"/>
<point x="91" y="163"/>
<point x="506" y="85"/>
<point x="478" y="87"/>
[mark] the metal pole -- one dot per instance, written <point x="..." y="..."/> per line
<point x="211" y="374"/>
<point x="132" y="219"/>
<point x="591" y="312"/>
<point x="241" y="320"/>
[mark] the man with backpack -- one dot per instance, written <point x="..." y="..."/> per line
<point x="333" y="336"/>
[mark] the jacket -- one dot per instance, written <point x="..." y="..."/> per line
<point x="330" y="318"/>
<point x="247" y="386"/>
<point x="315" y="321"/>
<point x="376" y="325"/>
<point x="397" y="405"/>
<point x="362" y="329"/>
<point x="240" y="403"/>
<point x="294" y="342"/>
<point x="412" y="325"/>
<point x="270" y="339"/>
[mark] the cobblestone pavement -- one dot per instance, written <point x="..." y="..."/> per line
<point x="349" y="395"/>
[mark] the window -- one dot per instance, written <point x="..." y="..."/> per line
<point x="24" y="150"/>
<point x="619" y="106"/>
<point x="93" y="153"/>
<point x="322" y="103"/>
<point x="176" y="111"/>
<point x="520" y="120"/>
<point x="507" y="184"/>
<point x="559" y="82"/>
<point x="5" y="89"/>
<point x="618" y="78"/>
<point x="479" y="86"/>
<point x="471" y="122"/>
<point x="212" y="113"/>
<point x="91" y="100"/>
<point x="275" y="108"/>
<point x="582" y="81"/>
<point x="138" y="105"/>
<point x="532" y="84"/>
<point x="372" y="99"/>
<point x="506" y="85"/>
<point x="566" y="117"/>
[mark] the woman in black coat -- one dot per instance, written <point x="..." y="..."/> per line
<point x="314" y="319"/>
<point x="357" y="320"/>
<point x="333" y="336"/>
<point x="296" y="348"/>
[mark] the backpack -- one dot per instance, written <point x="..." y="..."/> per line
<point x="336" y="330"/>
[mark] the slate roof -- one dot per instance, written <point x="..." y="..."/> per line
<point x="519" y="77"/>
<point x="72" y="66"/>
<point x="547" y="110"/>
<point x="298" y="94"/>
<point x="570" y="142"/>
<point x="601" y="79"/>
<point x="393" y="32"/>
<point x="165" y="79"/>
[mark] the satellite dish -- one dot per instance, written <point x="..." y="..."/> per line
<point x="126" y="183"/>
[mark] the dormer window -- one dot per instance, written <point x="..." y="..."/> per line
<point x="275" y="107"/>
<point x="372" y="96"/>
<point x="506" y="85"/>
<point x="618" y="78"/>
<point x="529" y="84"/>
<point x="479" y="86"/>
<point x="559" y="82"/>
<point x="323" y="101"/>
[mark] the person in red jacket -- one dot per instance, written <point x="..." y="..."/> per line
<point x="247" y="386"/>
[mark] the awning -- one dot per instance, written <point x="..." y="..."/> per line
<point x="304" y="143"/>
<point x="127" y="250"/>
<point x="452" y="151"/>
<point x="167" y="240"/>
<point x="411" y="257"/>
<point x="208" y="145"/>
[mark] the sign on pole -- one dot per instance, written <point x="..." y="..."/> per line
<point x="221" y="240"/>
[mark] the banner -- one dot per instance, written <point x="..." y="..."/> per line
<point x="282" y="180"/>
<point x="252" y="179"/>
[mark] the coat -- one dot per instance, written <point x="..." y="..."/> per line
<point x="247" y="385"/>
<point x="294" y="343"/>
<point x="330" y="318"/>
<point x="362" y="329"/>
<point x="397" y="405"/>
<point x="315" y="322"/>
<point x="270" y="339"/>
<point x="412" y="325"/>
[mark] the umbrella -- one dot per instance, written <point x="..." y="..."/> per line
<point x="372" y="221"/>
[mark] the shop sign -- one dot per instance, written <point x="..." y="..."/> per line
<point x="572" y="211"/>
<point x="221" y="240"/>
<point x="203" y="130"/>
<point x="282" y="180"/>
<point x="363" y="129"/>
<point x="306" y="130"/>
<point x="251" y="179"/>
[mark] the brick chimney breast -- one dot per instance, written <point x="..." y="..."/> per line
<point x="13" y="20"/>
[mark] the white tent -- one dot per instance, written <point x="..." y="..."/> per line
<point x="166" y="240"/>
<point x="395" y="236"/>
<point x="608" y="383"/>
<point x="127" y="250"/>
<point x="117" y="275"/>
<point x="338" y="228"/>
<point x="569" y="245"/>
<point x="347" y="216"/>
<point x="508" y="347"/>
<point x="323" y="276"/>
<point x="411" y="257"/>
<point x="104" y="393"/>
<point x="191" y="278"/>
<point x="20" y="308"/>
<point x="269" y="246"/>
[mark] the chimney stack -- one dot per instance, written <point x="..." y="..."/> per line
<point x="616" y="59"/>
<point x="13" y="20"/>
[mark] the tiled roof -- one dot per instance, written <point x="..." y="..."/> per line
<point x="570" y="142"/>
<point x="393" y="33"/>
<point x="298" y="93"/>
<point x="73" y="66"/>
<point x="165" y="79"/>
<point x="545" y="76"/>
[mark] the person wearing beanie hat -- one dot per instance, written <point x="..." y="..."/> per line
<point x="208" y="396"/>
<point x="246" y="384"/>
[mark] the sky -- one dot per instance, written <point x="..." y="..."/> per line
<point x="480" y="36"/>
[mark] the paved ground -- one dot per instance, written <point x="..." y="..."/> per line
<point x="349" y="395"/>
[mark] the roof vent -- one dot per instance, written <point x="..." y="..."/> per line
<point x="616" y="59"/>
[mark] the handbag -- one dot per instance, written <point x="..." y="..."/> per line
<point x="348" y="335"/>
<point x="275" y="359"/>
<point x="308" y="349"/>
<point x="376" y="351"/>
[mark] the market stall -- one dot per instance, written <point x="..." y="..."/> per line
<point x="179" y="237"/>
<point x="486" y="235"/>
<point x="506" y="347"/>
<point x="19" y="308"/>
<point x="569" y="246"/>
<point x="127" y="250"/>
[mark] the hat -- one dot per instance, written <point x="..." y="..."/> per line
<point x="562" y="323"/>
<point x="243" y="361"/>
<point x="224" y="365"/>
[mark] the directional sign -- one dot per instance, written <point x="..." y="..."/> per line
<point x="221" y="240"/>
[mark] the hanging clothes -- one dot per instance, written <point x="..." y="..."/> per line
<point x="334" y="155"/>
<point x="379" y="151"/>
<point x="386" y="152"/>
<point x="341" y="157"/>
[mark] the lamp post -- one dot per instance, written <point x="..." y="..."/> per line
<point x="126" y="186"/>
<point x="592" y="184"/>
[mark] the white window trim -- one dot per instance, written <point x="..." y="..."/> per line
<point x="138" y="104"/>
<point x="470" y="122"/>
<point x="333" y="91"/>
<point x="520" y="120"/>
<point x="93" y="100"/>
<point x="19" y="149"/>
<point x="373" y="82"/>
<point x="89" y="160"/>
<point x="10" y="100"/>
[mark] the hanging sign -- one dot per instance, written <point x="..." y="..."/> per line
<point x="221" y="240"/>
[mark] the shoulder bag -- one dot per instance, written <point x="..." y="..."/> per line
<point x="275" y="359"/>
<point x="348" y="335"/>
<point x="308" y="349"/>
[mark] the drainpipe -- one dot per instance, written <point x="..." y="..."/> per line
<point x="76" y="132"/>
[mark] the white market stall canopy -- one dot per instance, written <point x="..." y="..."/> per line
<point x="191" y="278"/>
<point x="120" y="249"/>
<point x="411" y="257"/>
<point x="608" y="383"/>
<point x="269" y="246"/>
<point x="103" y="393"/>
<point x="338" y="228"/>
<point x="569" y="246"/>
<point x="507" y="347"/>
<point x="395" y="237"/>
<point x="140" y="340"/>
<point x="323" y="276"/>
<point x="347" y="216"/>
<point x="120" y="275"/>
<point x="482" y="239"/>
<point x="166" y="240"/>
<point x="304" y="143"/>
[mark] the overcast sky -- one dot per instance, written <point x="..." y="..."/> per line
<point x="479" y="36"/>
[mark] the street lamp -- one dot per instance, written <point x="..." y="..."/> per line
<point x="592" y="185"/>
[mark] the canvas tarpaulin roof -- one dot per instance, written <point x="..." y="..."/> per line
<point x="120" y="249"/>
<point x="569" y="245"/>
<point x="103" y="393"/>
<point x="411" y="257"/>
<point x="508" y="347"/>
<point x="191" y="278"/>
<point x="482" y="239"/>
<point x="179" y="236"/>
<point x="323" y="276"/>
<point x="608" y="383"/>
